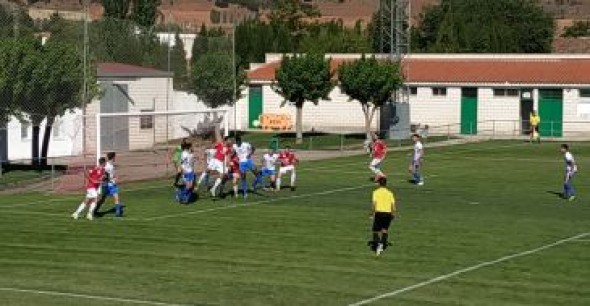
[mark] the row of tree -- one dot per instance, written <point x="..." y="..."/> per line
<point x="309" y="78"/>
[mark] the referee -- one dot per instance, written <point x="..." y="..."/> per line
<point x="383" y="212"/>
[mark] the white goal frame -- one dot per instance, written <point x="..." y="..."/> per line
<point x="224" y="112"/>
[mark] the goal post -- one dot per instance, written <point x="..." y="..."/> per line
<point x="153" y="130"/>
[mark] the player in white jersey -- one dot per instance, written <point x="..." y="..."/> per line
<point x="416" y="162"/>
<point x="110" y="186"/>
<point x="187" y="164"/>
<point x="570" y="170"/>
<point x="269" y="163"/>
<point x="204" y="177"/>
<point x="244" y="151"/>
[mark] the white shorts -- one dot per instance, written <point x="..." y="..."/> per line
<point x="285" y="169"/>
<point x="376" y="162"/>
<point x="91" y="193"/>
<point x="216" y="165"/>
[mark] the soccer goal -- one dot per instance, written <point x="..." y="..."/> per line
<point x="155" y="130"/>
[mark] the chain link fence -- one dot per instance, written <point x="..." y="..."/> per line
<point x="59" y="68"/>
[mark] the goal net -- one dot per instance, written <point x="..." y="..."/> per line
<point x="144" y="142"/>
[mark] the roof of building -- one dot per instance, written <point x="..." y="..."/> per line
<point x="117" y="70"/>
<point x="448" y="69"/>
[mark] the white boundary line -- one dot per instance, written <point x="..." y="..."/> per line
<point x="74" y="198"/>
<point x="307" y="195"/>
<point x="468" y="269"/>
<point x="88" y="297"/>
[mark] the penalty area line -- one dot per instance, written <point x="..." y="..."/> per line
<point x="308" y="195"/>
<point x="88" y="297"/>
<point x="469" y="269"/>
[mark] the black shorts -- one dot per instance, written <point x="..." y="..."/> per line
<point x="381" y="221"/>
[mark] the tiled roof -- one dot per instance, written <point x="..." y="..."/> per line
<point x="503" y="70"/>
<point x="114" y="70"/>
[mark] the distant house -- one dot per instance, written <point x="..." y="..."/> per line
<point x="125" y="88"/>
<point x="134" y="89"/>
<point x="455" y="93"/>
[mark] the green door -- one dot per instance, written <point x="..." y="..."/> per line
<point x="254" y="105"/>
<point x="469" y="111"/>
<point x="551" y="112"/>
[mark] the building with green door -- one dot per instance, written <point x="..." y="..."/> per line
<point x="459" y="94"/>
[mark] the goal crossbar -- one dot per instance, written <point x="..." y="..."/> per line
<point x="154" y="113"/>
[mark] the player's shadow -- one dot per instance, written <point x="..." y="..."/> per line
<point x="555" y="193"/>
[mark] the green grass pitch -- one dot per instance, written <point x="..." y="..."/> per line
<point x="481" y="203"/>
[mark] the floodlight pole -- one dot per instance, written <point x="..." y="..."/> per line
<point x="235" y="97"/>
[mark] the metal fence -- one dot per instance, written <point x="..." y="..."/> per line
<point x="56" y="73"/>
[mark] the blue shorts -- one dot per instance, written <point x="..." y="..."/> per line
<point x="188" y="177"/>
<point x="268" y="172"/>
<point x="247" y="165"/>
<point x="110" y="189"/>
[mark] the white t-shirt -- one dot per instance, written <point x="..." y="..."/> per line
<point x="569" y="162"/>
<point x="269" y="160"/>
<point x="418" y="151"/>
<point x="109" y="169"/>
<point x="244" y="150"/>
<point x="187" y="161"/>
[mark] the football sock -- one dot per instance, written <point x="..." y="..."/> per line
<point x="384" y="237"/>
<point x="92" y="209"/>
<point x="118" y="210"/>
<point x="235" y="190"/>
<point x="177" y="178"/>
<point x="244" y="186"/>
<point x="201" y="179"/>
<point x="278" y="183"/>
<point x="257" y="180"/>
<point x="293" y="177"/>
<point x="566" y="190"/>
<point x="375" y="239"/>
<point x="217" y="183"/>
<point x="80" y="208"/>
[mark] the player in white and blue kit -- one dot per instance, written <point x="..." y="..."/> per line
<point x="110" y="187"/>
<point x="244" y="151"/>
<point x="269" y="163"/>
<point x="187" y="163"/>
<point x="570" y="170"/>
<point x="416" y="161"/>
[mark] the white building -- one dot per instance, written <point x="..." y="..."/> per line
<point x="124" y="89"/>
<point x="458" y="94"/>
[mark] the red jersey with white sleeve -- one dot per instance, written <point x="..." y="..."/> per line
<point x="379" y="149"/>
<point x="94" y="177"/>
<point x="220" y="150"/>
<point x="287" y="158"/>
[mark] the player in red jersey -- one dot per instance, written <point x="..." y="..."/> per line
<point x="216" y="165"/>
<point x="379" y="151"/>
<point x="288" y="161"/>
<point x="94" y="178"/>
<point x="234" y="172"/>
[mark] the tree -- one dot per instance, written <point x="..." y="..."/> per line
<point x="145" y="12"/>
<point x="511" y="26"/>
<point x="178" y="63"/>
<point x="212" y="79"/>
<point x="370" y="82"/>
<point x="578" y="29"/>
<point x="62" y="74"/>
<point x="302" y="78"/>
<point x="116" y="8"/>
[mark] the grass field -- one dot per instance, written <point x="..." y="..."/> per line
<point x="486" y="229"/>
